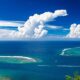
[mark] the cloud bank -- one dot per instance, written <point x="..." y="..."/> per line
<point x="34" y="27"/>
<point x="74" y="31"/>
<point x="10" y="23"/>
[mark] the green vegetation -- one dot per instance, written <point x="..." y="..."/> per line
<point x="76" y="76"/>
<point x="4" y="78"/>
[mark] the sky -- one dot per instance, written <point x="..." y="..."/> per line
<point x="15" y="13"/>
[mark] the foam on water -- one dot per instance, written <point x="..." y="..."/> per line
<point x="71" y="51"/>
<point x="73" y="66"/>
<point x="17" y="59"/>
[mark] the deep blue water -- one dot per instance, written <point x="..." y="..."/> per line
<point x="52" y="66"/>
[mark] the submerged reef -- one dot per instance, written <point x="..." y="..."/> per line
<point x="17" y="59"/>
<point x="71" y="51"/>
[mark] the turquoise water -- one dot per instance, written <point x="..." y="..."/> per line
<point x="71" y="51"/>
<point x="18" y="59"/>
<point x="38" y="60"/>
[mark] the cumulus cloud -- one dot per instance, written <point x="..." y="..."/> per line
<point x="74" y="31"/>
<point x="34" y="27"/>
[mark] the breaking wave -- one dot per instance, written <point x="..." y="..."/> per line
<point x="17" y="59"/>
<point x="71" y="51"/>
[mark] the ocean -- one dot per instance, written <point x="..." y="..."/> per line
<point x="38" y="60"/>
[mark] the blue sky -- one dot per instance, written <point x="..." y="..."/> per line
<point x="20" y="10"/>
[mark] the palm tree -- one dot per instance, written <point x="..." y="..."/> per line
<point x="76" y="76"/>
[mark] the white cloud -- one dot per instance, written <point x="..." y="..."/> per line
<point x="10" y="23"/>
<point x="66" y="29"/>
<point x="54" y="27"/>
<point x="74" y="31"/>
<point x="34" y="27"/>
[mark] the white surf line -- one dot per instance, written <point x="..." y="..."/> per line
<point x="67" y="66"/>
<point x="63" y="51"/>
<point x="19" y="57"/>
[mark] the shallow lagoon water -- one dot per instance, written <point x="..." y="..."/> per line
<point x="71" y="51"/>
<point x="17" y="59"/>
<point x="50" y="66"/>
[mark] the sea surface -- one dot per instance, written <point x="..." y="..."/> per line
<point x="38" y="60"/>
